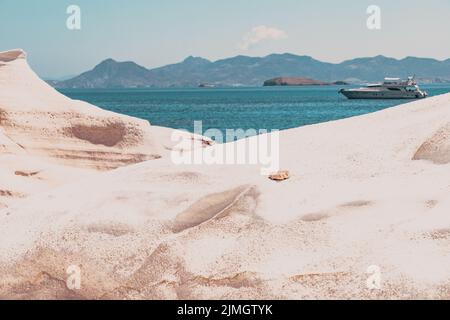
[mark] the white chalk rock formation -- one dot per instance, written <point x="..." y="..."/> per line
<point x="44" y="122"/>
<point x="356" y="206"/>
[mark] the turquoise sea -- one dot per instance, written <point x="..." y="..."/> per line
<point x="237" y="108"/>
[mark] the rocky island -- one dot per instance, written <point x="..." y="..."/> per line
<point x="297" y="81"/>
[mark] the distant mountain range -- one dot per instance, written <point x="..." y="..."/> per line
<point x="253" y="71"/>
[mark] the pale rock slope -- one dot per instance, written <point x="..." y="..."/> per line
<point x="8" y="146"/>
<point x="47" y="139"/>
<point x="46" y="123"/>
<point x="369" y="193"/>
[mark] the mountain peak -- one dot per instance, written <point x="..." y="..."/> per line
<point x="192" y="59"/>
<point x="109" y="64"/>
<point x="381" y="57"/>
<point x="108" y="61"/>
<point x="110" y="74"/>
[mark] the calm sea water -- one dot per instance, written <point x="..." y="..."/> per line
<point x="243" y="108"/>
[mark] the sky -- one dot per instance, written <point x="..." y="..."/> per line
<point x="154" y="33"/>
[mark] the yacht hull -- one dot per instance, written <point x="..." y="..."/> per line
<point x="354" y="94"/>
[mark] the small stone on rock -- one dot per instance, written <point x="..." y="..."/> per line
<point x="280" y="176"/>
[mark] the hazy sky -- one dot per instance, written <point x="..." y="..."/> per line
<point x="158" y="32"/>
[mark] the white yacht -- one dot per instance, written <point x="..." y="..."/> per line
<point x="391" y="88"/>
